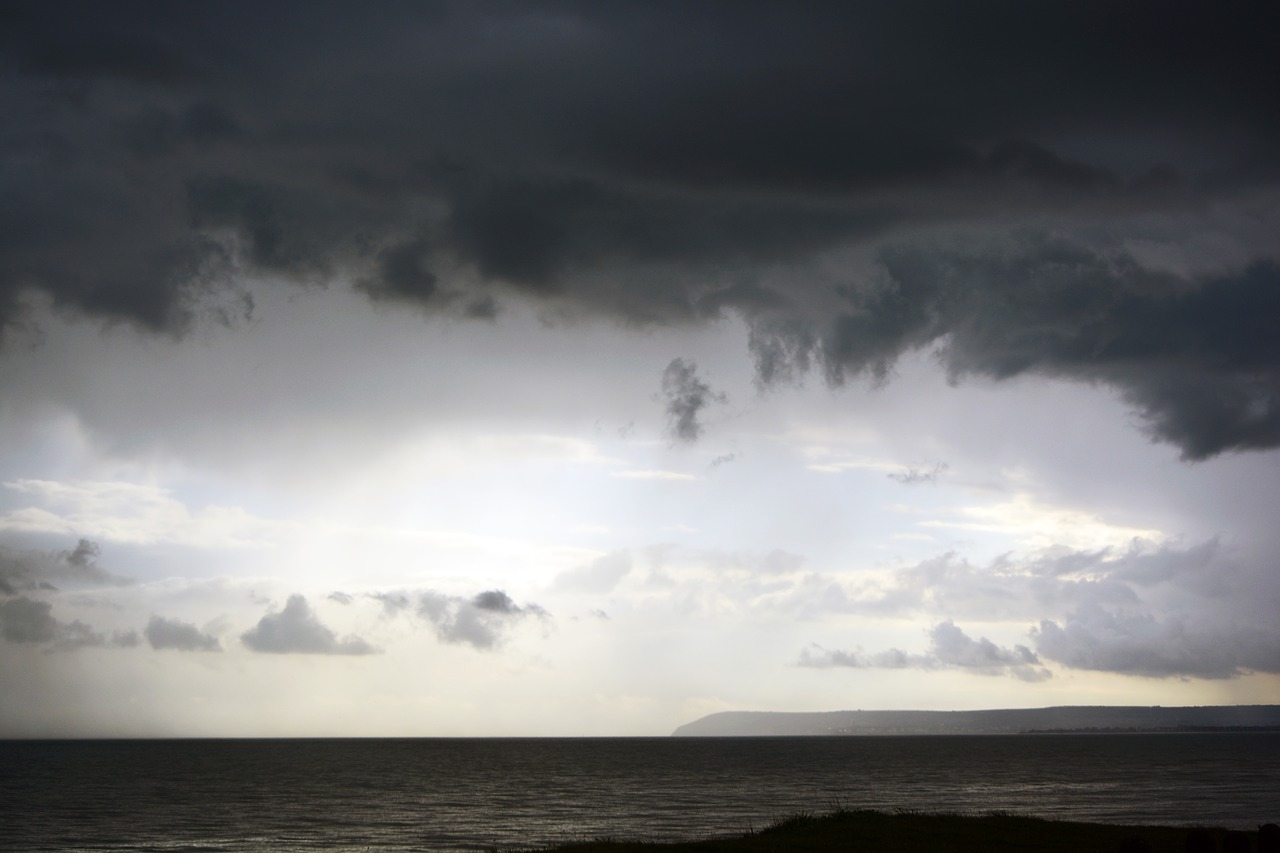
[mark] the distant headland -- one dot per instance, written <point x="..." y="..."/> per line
<point x="1074" y="719"/>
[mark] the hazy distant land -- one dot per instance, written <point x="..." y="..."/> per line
<point x="1068" y="718"/>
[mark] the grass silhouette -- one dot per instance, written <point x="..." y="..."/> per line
<point x="917" y="832"/>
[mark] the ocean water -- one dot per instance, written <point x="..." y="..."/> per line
<point x="444" y="794"/>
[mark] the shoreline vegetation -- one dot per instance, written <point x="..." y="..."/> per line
<point x="923" y="832"/>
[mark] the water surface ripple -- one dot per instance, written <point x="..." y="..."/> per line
<point x="443" y="794"/>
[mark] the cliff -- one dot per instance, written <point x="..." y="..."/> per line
<point x="1068" y="718"/>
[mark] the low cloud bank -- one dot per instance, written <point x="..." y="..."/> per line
<point x="949" y="647"/>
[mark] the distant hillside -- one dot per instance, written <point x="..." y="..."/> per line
<point x="1068" y="718"/>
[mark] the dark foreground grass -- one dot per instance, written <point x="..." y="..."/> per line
<point x="913" y="832"/>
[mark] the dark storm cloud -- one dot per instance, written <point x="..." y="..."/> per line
<point x="949" y="647"/>
<point x="27" y="570"/>
<point x="479" y="621"/>
<point x="297" y="630"/>
<point x="686" y="395"/>
<point x="164" y="633"/>
<point x="668" y="163"/>
<point x="1197" y="357"/>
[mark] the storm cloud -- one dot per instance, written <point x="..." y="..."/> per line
<point x="757" y="325"/>
<point x="1194" y="355"/>
<point x="686" y="396"/>
<point x="158" y="163"/>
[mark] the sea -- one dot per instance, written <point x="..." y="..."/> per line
<point x="512" y="794"/>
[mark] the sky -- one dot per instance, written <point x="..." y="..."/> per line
<point x="559" y="368"/>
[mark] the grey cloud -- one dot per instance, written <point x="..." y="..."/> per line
<point x="164" y="633"/>
<point x="393" y="602"/>
<point x="912" y="475"/>
<point x="297" y="630"/>
<point x="1125" y="611"/>
<point x="123" y="639"/>
<point x="154" y="132"/>
<point x="86" y="49"/>
<point x="783" y="349"/>
<point x="1117" y="610"/>
<point x="819" y="658"/>
<point x="599" y="576"/>
<point x="1024" y="160"/>
<point x="953" y="647"/>
<point x="487" y="152"/>
<point x="1194" y="356"/>
<point x="480" y="621"/>
<point x="1207" y="577"/>
<point x="495" y="601"/>
<point x="25" y="620"/>
<point x="402" y="271"/>
<point x="949" y="647"/>
<point x="84" y="554"/>
<point x="1225" y="586"/>
<point x="1094" y="638"/>
<point x="541" y="234"/>
<point x="686" y="396"/>
<point x="28" y="570"/>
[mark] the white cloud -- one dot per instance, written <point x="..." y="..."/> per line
<point x="1034" y="524"/>
<point x="599" y="576"/>
<point x="131" y="513"/>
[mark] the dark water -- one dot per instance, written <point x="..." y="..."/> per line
<point x="253" y="795"/>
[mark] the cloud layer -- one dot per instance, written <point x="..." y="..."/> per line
<point x="1153" y="612"/>
<point x="808" y="170"/>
